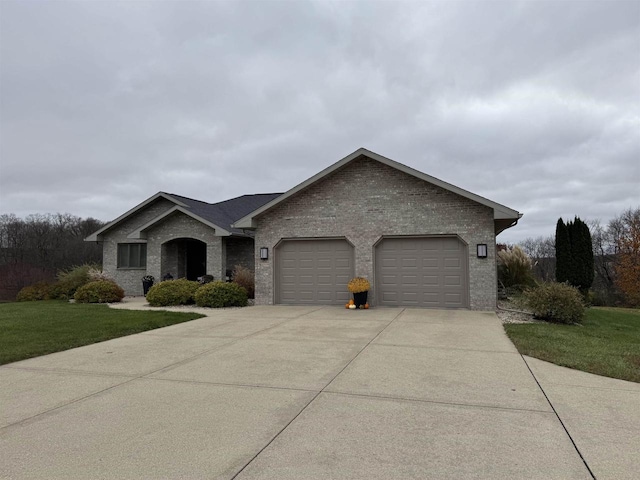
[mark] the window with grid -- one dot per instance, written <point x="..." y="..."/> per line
<point x="132" y="255"/>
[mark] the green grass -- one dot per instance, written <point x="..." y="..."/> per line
<point x="608" y="342"/>
<point x="30" y="329"/>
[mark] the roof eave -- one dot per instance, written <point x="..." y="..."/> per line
<point x="96" y="236"/>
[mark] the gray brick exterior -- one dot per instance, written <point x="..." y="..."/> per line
<point x="367" y="200"/>
<point x="240" y="252"/>
<point x="163" y="257"/>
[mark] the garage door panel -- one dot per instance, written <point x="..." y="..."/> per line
<point x="428" y="262"/>
<point x="389" y="279"/>
<point x="428" y="280"/>
<point x="324" y="263"/>
<point x="452" y="281"/>
<point x="313" y="271"/>
<point x="427" y="272"/>
<point x="452" y="262"/>
<point x="409" y="280"/>
<point x="343" y="263"/>
<point x="410" y="262"/>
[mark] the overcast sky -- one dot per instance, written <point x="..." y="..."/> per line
<point x="535" y="105"/>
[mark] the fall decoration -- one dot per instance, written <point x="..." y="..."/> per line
<point x="358" y="285"/>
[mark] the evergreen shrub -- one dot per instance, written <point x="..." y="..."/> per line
<point x="556" y="302"/>
<point x="220" y="294"/>
<point x="99" y="291"/>
<point x="35" y="292"/>
<point x="172" y="292"/>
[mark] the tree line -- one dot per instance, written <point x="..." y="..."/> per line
<point x="35" y="248"/>
<point x="615" y="249"/>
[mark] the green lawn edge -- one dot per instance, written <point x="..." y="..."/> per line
<point x="32" y="329"/>
<point x="606" y="344"/>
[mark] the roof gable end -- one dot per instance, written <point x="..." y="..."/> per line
<point x="140" y="232"/>
<point x="95" y="236"/>
<point x="502" y="215"/>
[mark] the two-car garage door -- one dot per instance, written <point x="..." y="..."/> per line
<point x="409" y="272"/>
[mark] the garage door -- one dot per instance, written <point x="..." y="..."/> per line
<point x="422" y="272"/>
<point x="313" y="272"/>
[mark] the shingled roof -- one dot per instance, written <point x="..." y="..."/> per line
<point x="220" y="215"/>
<point x="225" y="213"/>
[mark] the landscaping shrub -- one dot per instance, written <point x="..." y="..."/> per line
<point x="245" y="278"/>
<point x="99" y="291"/>
<point x="220" y="294"/>
<point x="69" y="281"/>
<point x="556" y="302"/>
<point x="515" y="269"/>
<point x="172" y="292"/>
<point x="37" y="291"/>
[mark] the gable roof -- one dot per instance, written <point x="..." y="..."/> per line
<point x="219" y="216"/>
<point x="504" y="217"/>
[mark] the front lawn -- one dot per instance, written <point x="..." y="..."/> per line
<point x="30" y="329"/>
<point x="608" y="342"/>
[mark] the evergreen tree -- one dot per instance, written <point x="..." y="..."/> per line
<point x="582" y="267"/>
<point x="563" y="252"/>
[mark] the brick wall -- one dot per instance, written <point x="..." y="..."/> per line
<point x="366" y="200"/>
<point x="178" y="226"/>
<point x="173" y="227"/>
<point x="240" y="252"/>
<point x="129" y="279"/>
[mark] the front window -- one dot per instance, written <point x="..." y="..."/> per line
<point x="132" y="255"/>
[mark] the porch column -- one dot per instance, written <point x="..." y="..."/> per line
<point x="216" y="258"/>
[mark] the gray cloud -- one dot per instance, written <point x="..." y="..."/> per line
<point x="535" y="105"/>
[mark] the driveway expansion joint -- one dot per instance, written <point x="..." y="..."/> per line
<point x="428" y="347"/>
<point x="437" y="402"/>
<point x="312" y="399"/>
<point x="584" y="461"/>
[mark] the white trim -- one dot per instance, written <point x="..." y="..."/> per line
<point x="499" y="211"/>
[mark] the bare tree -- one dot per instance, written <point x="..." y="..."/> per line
<point x="542" y="252"/>
<point x="35" y="248"/>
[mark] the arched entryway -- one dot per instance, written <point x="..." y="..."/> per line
<point x="184" y="258"/>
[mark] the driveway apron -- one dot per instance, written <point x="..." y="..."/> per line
<point x="280" y="392"/>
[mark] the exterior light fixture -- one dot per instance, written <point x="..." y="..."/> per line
<point x="264" y="253"/>
<point x="482" y="250"/>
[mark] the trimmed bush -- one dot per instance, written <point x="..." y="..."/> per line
<point x="220" y="294"/>
<point x="172" y="292"/>
<point x="32" y="293"/>
<point x="245" y="278"/>
<point x="556" y="302"/>
<point x="99" y="291"/>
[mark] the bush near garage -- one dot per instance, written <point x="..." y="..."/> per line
<point x="172" y="293"/>
<point x="245" y="278"/>
<point x="220" y="294"/>
<point x="515" y="269"/>
<point x="556" y="302"/>
<point x="99" y="291"/>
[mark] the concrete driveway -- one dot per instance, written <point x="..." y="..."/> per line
<point x="314" y="393"/>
